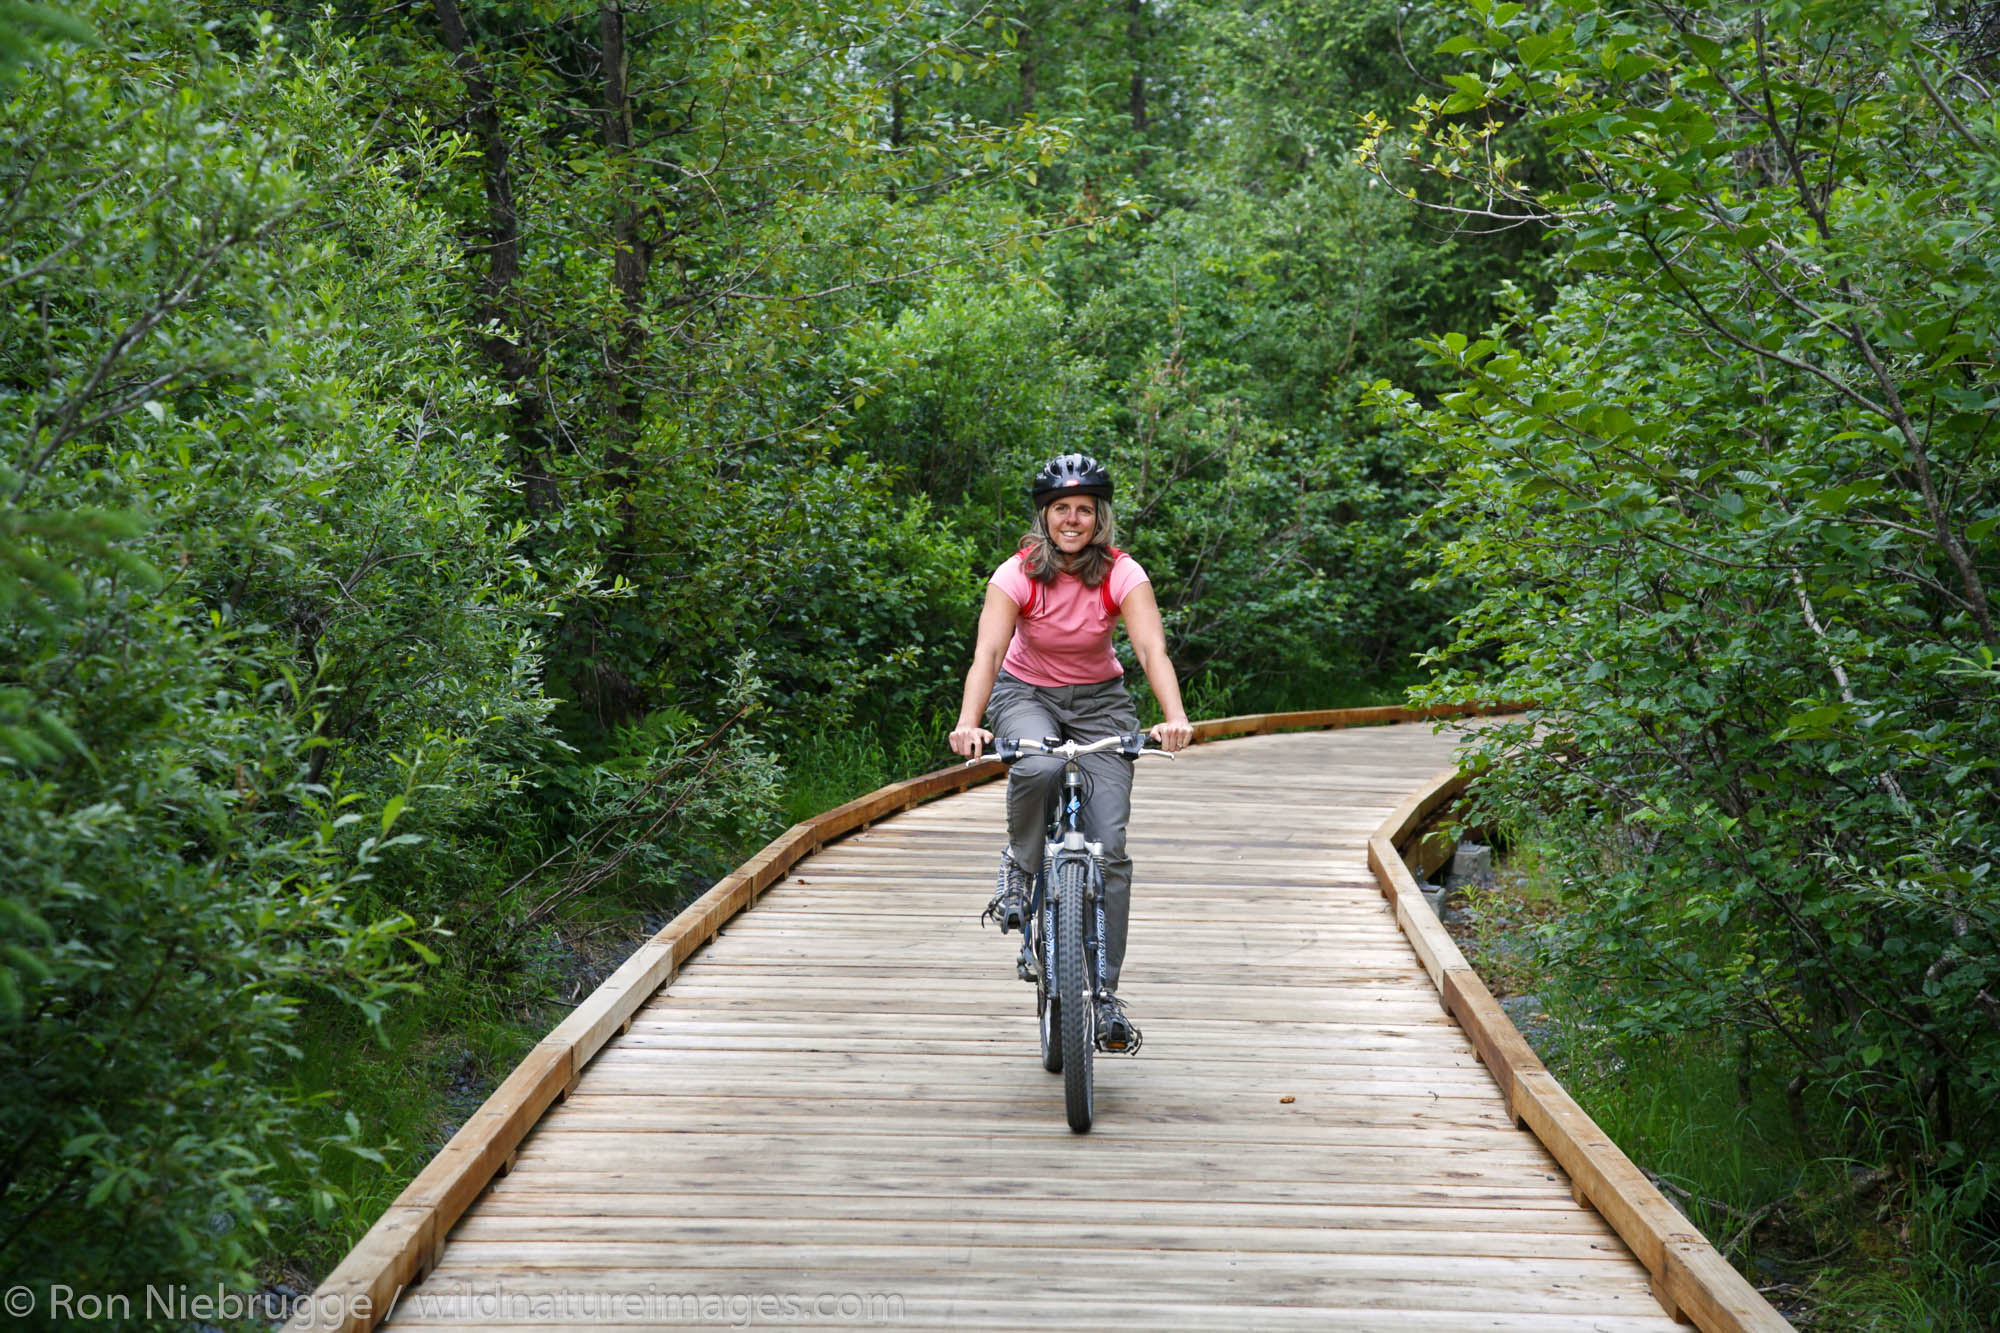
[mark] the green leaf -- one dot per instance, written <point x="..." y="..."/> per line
<point x="1707" y="50"/>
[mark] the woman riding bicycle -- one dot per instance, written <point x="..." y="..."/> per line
<point x="1044" y="666"/>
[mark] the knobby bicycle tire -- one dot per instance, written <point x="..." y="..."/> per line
<point x="1073" y="992"/>
<point x="1048" y="1009"/>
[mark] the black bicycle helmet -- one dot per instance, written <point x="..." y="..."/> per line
<point x="1071" y="474"/>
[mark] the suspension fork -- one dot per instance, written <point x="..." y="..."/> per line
<point x="1074" y="845"/>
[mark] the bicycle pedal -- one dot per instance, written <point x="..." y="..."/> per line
<point x="1117" y="1034"/>
<point x="1008" y="919"/>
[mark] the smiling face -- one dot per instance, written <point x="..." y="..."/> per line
<point x="1072" y="521"/>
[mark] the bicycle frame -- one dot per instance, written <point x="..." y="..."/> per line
<point x="1063" y="842"/>
<point x="1064" y="839"/>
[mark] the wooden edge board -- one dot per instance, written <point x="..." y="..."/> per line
<point x="1501" y="1047"/>
<point x="1690" y="1278"/>
<point x="407" y="1239"/>
<point x="608" y="1010"/>
<point x="356" y="1295"/>
<point x="1330" y="719"/>
<point x="452" y="1180"/>
<point x="1433" y="945"/>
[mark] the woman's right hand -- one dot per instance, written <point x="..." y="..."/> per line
<point x="967" y="740"/>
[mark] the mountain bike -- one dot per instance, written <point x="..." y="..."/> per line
<point x="1062" y="950"/>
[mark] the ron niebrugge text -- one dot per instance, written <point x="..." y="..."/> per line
<point x="61" y="1302"/>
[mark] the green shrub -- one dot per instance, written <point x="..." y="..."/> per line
<point x="1729" y="510"/>
<point x="257" y="631"/>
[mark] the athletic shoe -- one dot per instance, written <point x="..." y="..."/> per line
<point x="1116" y="1031"/>
<point x="1010" y="897"/>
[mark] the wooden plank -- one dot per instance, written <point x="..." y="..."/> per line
<point x="1011" y="1313"/>
<point x="607" y="1010"/>
<point x="789" y="1117"/>
<point x="1475" y="1281"/>
<point x="1521" y="1214"/>
<point x="1030" y="1230"/>
<point x="1501" y="1047"/>
<point x="1540" y="1194"/>
<point x="1408" y="815"/>
<point x="1700" y="1282"/>
<point x="1466" y="1284"/>
<point x="737" y="1304"/>
<point x="1310" y="1051"/>
<point x="1605" y="1176"/>
<point x="1359" y="1081"/>
<point x="1263" y="724"/>
<point x="709" y="1160"/>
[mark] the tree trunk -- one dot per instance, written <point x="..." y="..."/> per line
<point x="1135" y="37"/>
<point x="516" y="363"/>
<point x="630" y="256"/>
<point x="1026" y="46"/>
<point x="609" y="694"/>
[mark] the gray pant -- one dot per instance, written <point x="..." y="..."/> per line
<point x="1084" y="713"/>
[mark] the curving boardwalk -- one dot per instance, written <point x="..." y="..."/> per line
<point x="834" y="1116"/>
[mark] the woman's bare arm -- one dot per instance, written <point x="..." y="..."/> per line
<point x="996" y="631"/>
<point x="1149" y="642"/>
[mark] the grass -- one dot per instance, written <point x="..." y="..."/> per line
<point x="439" y="1054"/>
<point x="1826" y="1222"/>
<point x="830" y="768"/>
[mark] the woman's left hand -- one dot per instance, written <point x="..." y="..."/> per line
<point x="1172" y="735"/>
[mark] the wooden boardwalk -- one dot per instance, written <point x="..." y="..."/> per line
<point x="835" y="1117"/>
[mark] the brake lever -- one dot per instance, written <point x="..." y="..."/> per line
<point x="1005" y="749"/>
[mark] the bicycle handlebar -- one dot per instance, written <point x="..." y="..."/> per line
<point x="1131" y="744"/>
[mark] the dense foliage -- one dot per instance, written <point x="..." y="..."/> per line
<point x="465" y="463"/>
<point x="1730" y="503"/>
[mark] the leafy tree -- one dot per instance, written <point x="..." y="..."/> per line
<point x="261" y="627"/>
<point x="672" y="211"/>
<point x="1730" y="507"/>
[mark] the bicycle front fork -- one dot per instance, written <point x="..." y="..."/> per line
<point x="1097" y="943"/>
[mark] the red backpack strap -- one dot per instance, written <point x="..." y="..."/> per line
<point x="1104" y="588"/>
<point x="1034" y="588"/>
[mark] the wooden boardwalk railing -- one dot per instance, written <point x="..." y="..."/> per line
<point x="835" y="1115"/>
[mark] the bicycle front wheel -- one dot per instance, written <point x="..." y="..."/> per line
<point x="1048" y="1009"/>
<point x="1077" y="1015"/>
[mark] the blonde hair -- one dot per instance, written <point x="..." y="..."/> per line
<point x="1042" y="559"/>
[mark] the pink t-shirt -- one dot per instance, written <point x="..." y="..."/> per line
<point x="1066" y="638"/>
